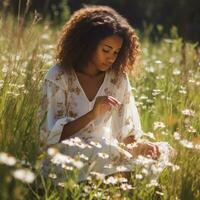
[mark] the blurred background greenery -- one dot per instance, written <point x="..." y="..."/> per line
<point x="162" y="15"/>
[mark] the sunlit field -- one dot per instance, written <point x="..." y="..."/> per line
<point x="166" y="88"/>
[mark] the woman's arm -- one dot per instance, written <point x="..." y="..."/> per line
<point x="74" y="126"/>
<point x="102" y="105"/>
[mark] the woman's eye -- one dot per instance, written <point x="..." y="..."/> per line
<point x="106" y="51"/>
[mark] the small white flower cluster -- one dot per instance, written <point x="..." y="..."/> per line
<point x="61" y="159"/>
<point x="185" y="143"/>
<point x="188" y="112"/>
<point x="7" y="159"/>
<point x="158" y="125"/>
<point x="24" y="175"/>
<point x="103" y="155"/>
<point x="76" y="141"/>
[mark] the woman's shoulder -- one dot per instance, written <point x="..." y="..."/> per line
<point x="57" y="75"/>
<point x="53" y="72"/>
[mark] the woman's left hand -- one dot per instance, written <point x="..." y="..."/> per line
<point x="147" y="149"/>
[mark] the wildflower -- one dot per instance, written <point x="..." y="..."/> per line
<point x="64" y="166"/>
<point x="52" y="151"/>
<point x="191" y="129"/>
<point x="188" y="112"/>
<point x="61" y="184"/>
<point x="177" y="136"/>
<point x="142" y="160"/>
<point x="156" y="92"/>
<point x="197" y="146"/>
<point x="125" y="186"/>
<point x="96" y="144"/>
<point x="24" y="175"/>
<point x="109" y="166"/>
<point x="175" y="168"/>
<point x="122" y="180"/>
<point x="121" y="168"/>
<point x="103" y="155"/>
<point x="197" y="83"/>
<point x="160" y="77"/>
<point x="159" y="193"/>
<point x="76" y="141"/>
<point x="87" y="189"/>
<point x="5" y="69"/>
<point x="53" y="175"/>
<point x="78" y="164"/>
<point x="111" y="180"/>
<point x="145" y="171"/>
<point x="157" y="125"/>
<point x="156" y="169"/>
<point x="83" y="157"/>
<point x="153" y="182"/>
<point x="191" y="81"/>
<point x="176" y="72"/>
<point x="182" y="91"/>
<point x="7" y="159"/>
<point x="150" y="69"/>
<point x="143" y="97"/>
<point x="164" y="133"/>
<point x="138" y="176"/>
<point x="61" y="159"/>
<point x="186" y="144"/>
<point x="1" y="83"/>
<point x="149" y="101"/>
<point x="99" y="176"/>
<point x="149" y="135"/>
<point x="158" y="62"/>
<point x="98" y="194"/>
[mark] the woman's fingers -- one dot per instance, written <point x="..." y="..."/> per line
<point x="149" y="149"/>
<point x="114" y="100"/>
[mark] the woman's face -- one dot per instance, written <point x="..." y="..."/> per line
<point x="106" y="52"/>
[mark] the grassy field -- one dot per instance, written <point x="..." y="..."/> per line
<point x="167" y="93"/>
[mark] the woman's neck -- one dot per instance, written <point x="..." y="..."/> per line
<point x="90" y="70"/>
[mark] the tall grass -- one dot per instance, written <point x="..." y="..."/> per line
<point x="166" y="91"/>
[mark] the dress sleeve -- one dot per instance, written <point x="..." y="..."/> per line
<point x="125" y="119"/>
<point x="52" y="112"/>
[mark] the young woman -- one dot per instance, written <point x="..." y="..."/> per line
<point x="87" y="97"/>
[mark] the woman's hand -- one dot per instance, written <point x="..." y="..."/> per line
<point x="104" y="104"/>
<point x="147" y="149"/>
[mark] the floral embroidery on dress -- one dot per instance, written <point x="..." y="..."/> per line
<point x="127" y="97"/>
<point x="54" y="88"/>
<point x="108" y="92"/>
<point x="72" y="114"/>
<point x="128" y="121"/>
<point x="59" y="75"/>
<point x="59" y="114"/>
<point x="76" y="90"/>
<point x="120" y="110"/>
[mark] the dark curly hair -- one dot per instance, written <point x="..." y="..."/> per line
<point x="86" y="28"/>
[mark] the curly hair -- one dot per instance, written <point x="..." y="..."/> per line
<point x="86" y="28"/>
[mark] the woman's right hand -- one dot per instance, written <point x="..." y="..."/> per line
<point x="104" y="104"/>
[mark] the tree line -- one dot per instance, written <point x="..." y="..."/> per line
<point x="184" y="14"/>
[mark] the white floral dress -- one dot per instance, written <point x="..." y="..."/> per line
<point x="64" y="100"/>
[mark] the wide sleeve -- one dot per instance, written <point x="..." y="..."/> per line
<point x="52" y="112"/>
<point x="125" y="119"/>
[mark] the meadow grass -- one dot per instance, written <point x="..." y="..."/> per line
<point x="166" y="90"/>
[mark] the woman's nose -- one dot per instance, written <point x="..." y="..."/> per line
<point x="110" y="59"/>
